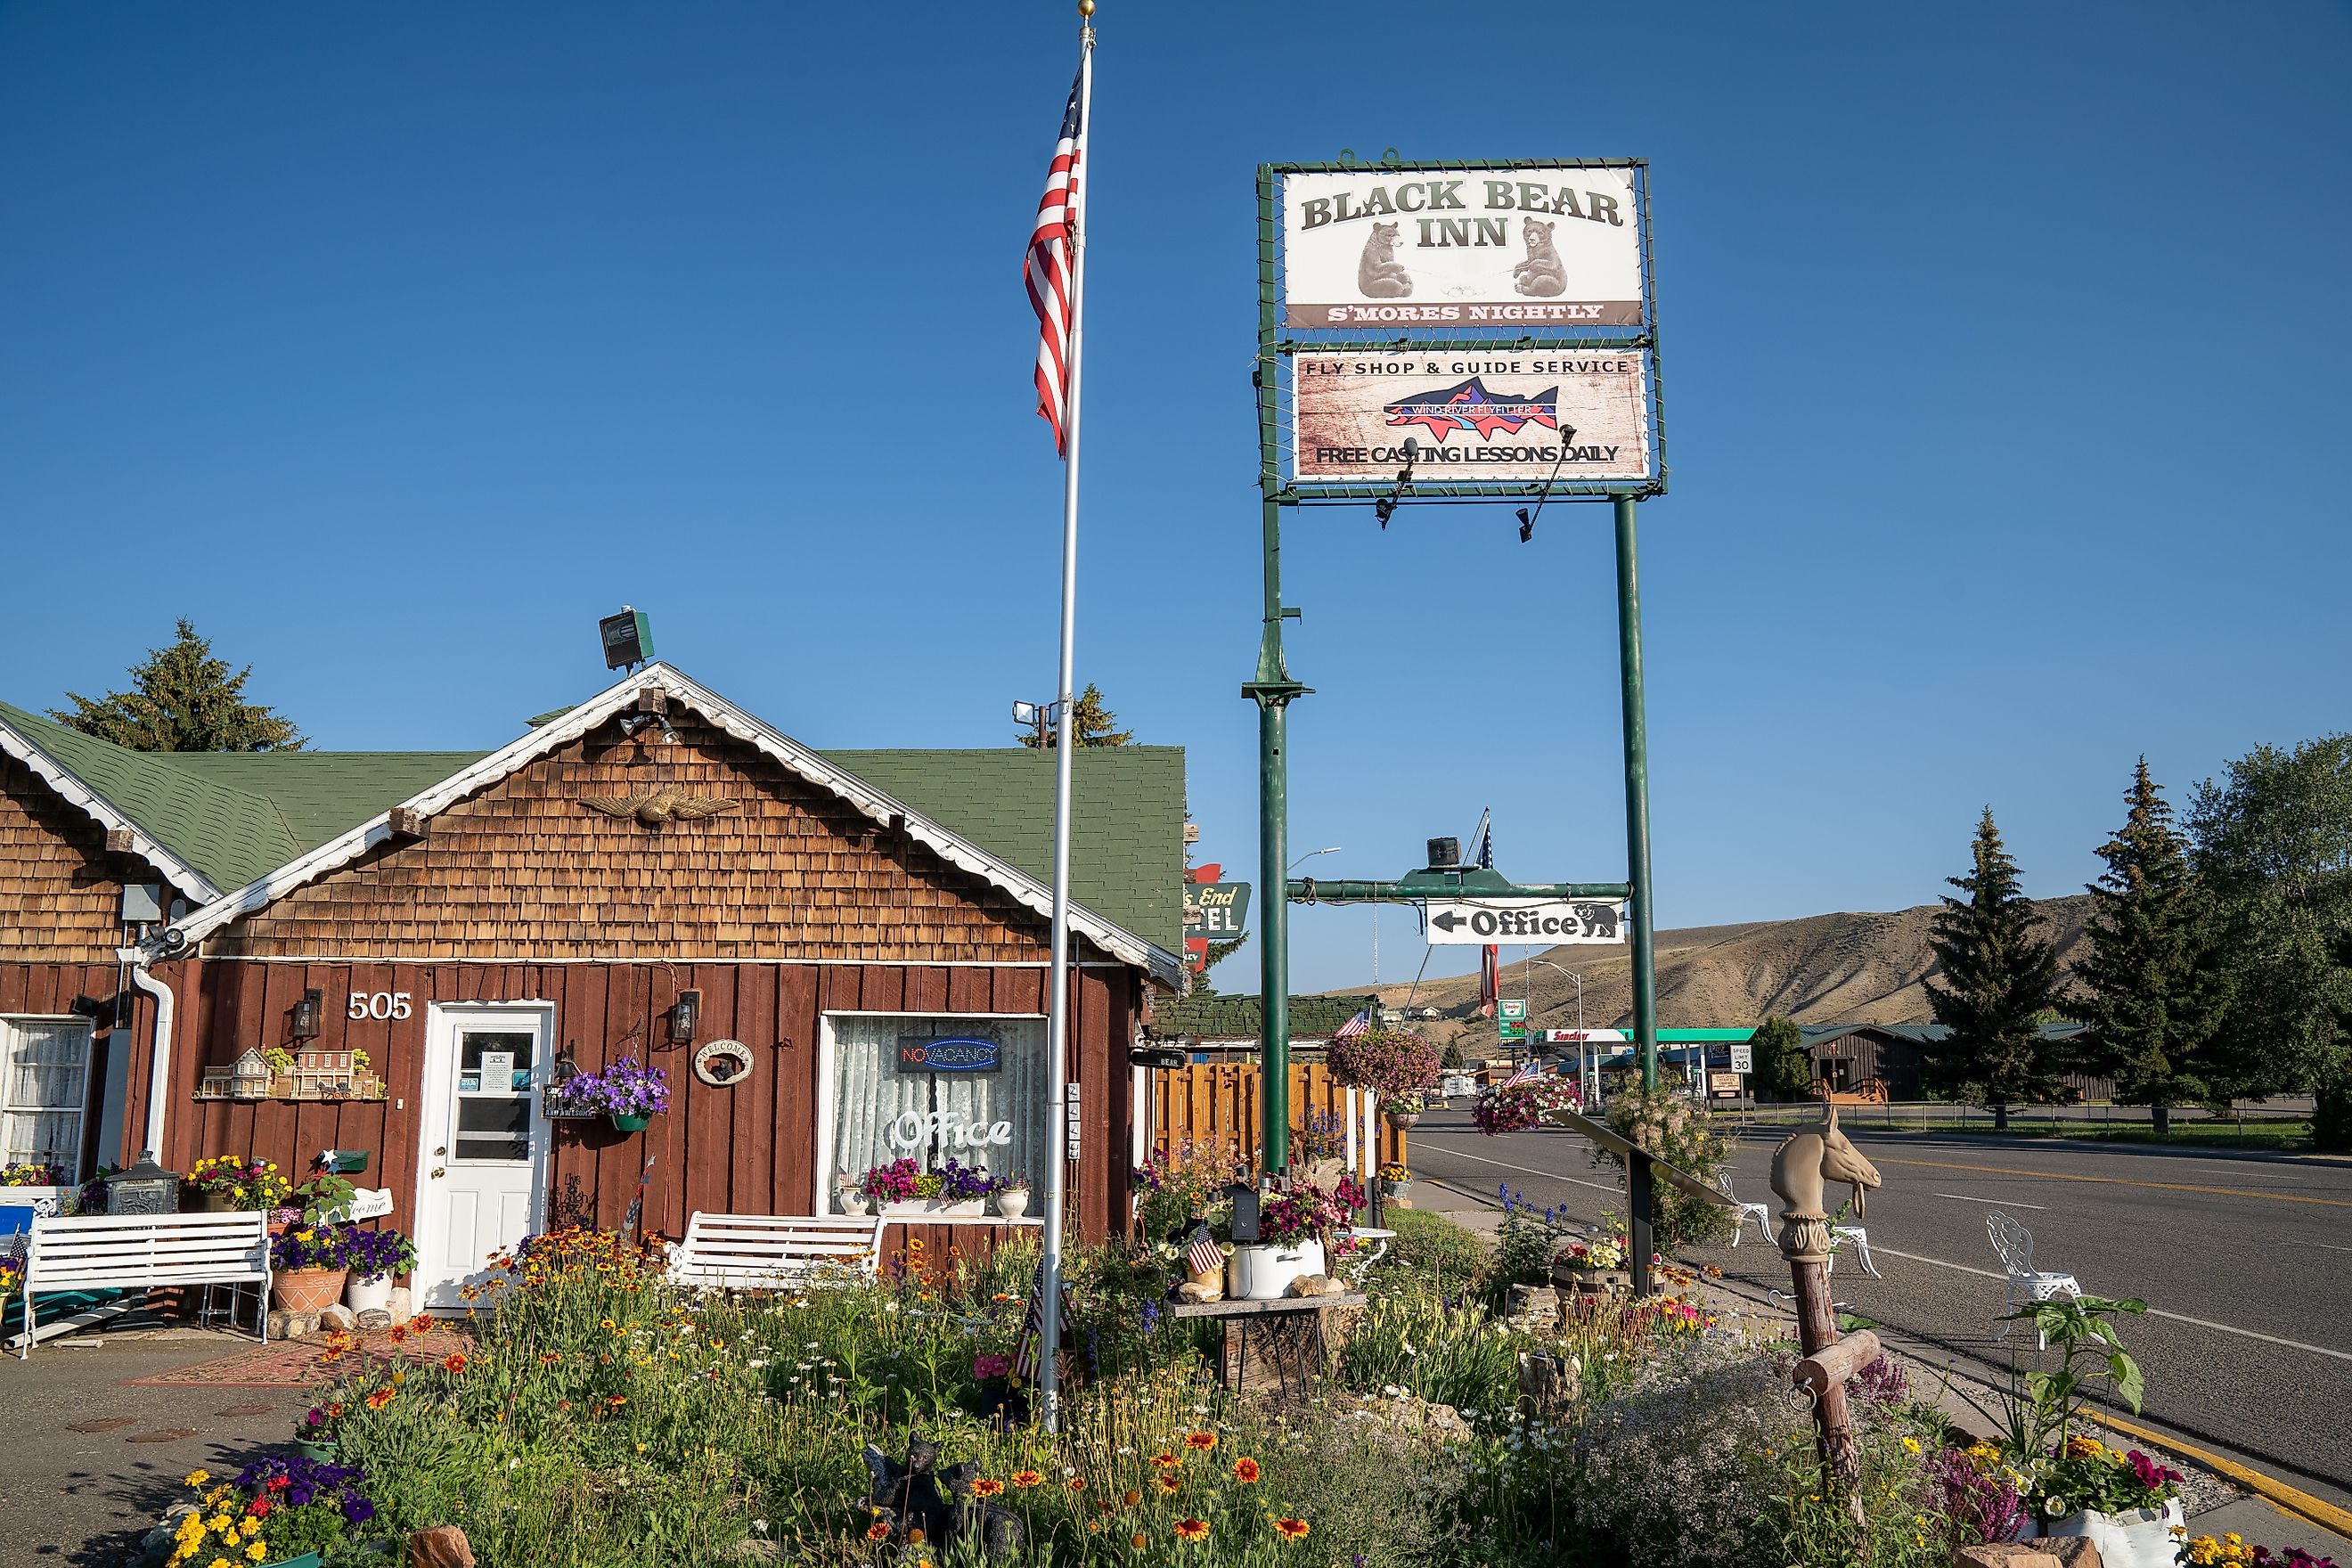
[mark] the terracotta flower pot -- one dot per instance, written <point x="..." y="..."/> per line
<point x="214" y="1202"/>
<point x="306" y="1289"/>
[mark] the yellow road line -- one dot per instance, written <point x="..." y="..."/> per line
<point x="2295" y="1501"/>
<point x="2120" y="1182"/>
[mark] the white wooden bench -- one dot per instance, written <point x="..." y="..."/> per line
<point x="139" y="1252"/>
<point x="751" y="1251"/>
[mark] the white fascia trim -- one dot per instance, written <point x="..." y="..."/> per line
<point x="100" y="810"/>
<point x="621" y="697"/>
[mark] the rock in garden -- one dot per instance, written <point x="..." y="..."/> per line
<point x="754" y="1551"/>
<point x="155" y="1549"/>
<point x="1548" y="1384"/>
<point x="276" y="1325"/>
<point x="443" y="1546"/>
<point x="375" y="1318"/>
<point x="1537" y="1300"/>
<point x="2008" y="1554"/>
<point x="339" y="1317"/>
<point x="2072" y="1551"/>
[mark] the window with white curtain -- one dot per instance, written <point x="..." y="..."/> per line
<point x="882" y="1109"/>
<point x="44" y="1078"/>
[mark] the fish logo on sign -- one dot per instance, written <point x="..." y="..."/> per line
<point x="1470" y="406"/>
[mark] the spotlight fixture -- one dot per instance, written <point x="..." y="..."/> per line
<point x="305" y="1025"/>
<point x="1528" y="521"/>
<point x="683" y="1015"/>
<point x="1385" y="507"/>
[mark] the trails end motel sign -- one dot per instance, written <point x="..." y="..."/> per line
<point x="1483" y="310"/>
<point x="1213" y="912"/>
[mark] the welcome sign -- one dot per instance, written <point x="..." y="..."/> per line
<point x="1471" y="248"/>
<point x="920" y="1053"/>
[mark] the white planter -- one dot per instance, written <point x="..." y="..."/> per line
<point x="1264" y="1273"/>
<point x="367" y="1295"/>
<point x="1013" y="1205"/>
<point x="2141" y="1539"/>
<point x="852" y="1203"/>
<point x="940" y="1208"/>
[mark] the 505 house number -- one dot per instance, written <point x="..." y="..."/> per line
<point x="378" y="1005"/>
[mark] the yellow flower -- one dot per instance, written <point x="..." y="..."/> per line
<point x="1910" y="1445"/>
<point x="197" y="1477"/>
<point x="254" y="1551"/>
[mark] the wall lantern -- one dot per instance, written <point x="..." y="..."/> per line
<point x="684" y="1017"/>
<point x="306" y="1015"/>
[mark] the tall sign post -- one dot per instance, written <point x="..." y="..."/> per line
<point x="1450" y="332"/>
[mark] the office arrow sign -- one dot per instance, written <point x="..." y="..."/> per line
<point x="1475" y="923"/>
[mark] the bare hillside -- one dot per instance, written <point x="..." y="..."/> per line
<point x="1824" y="969"/>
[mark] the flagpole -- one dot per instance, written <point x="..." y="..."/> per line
<point x="1057" y="1017"/>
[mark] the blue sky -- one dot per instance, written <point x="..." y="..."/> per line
<point x="2002" y="364"/>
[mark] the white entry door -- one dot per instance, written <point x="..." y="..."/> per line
<point x="481" y="1171"/>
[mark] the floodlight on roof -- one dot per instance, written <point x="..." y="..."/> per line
<point x="628" y="638"/>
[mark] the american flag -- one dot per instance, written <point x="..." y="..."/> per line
<point x="1490" y="965"/>
<point x="1205" y="1253"/>
<point x="1050" y="266"/>
<point x="1025" y="1353"/>
<point x="1528" y="1073"/>
<point x="1360" y="1023"/>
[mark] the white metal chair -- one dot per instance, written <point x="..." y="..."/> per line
<point x="1762" y="1214"/>
<point x="1371" y="1245"/>
<point x="2014" y="1243"/>
<point x="1860" y="1240"/>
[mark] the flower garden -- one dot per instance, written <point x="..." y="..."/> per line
<point x="587" y="1412"/>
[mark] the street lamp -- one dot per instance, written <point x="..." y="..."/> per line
<point x="1580" y="1042"/>
<point x="1309" y="856"/>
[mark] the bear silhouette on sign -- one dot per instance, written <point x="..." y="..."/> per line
<point x="1378" y="274"/>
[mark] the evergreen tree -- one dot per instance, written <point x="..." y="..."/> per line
<point x="2273" y="842"/>
<point x="182" y="699"/>
<point x="1784" y="1068"/>
<point x="2147" y="994"/>
<point x="1996" y="978"/>
<point x="1094" y="724"/>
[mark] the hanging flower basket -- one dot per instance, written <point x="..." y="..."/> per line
<point x="624" y="1094"/>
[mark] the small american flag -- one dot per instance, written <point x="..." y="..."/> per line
<point x="1205" y="1253"/>
<point x="1359" y="1023"/>
<point x="1528" y="1073"/>
<point x="1049" y="267"/>
<point x="1026" y="1355"/>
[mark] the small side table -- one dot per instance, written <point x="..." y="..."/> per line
<point x="1287" y="1334"/>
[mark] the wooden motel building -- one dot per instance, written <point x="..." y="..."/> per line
<point x="653" y="874"/>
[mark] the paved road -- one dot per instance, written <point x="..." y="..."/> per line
<point x="2245" y="1263"/>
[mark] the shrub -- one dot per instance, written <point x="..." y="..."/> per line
<point x="1453" y="1255"/>
<point x="1669" y="1127"/>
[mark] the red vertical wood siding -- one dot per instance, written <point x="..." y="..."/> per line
<point x="746" y="1147"/>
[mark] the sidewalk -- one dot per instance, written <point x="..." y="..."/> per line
<point x="2224" y="1506"/>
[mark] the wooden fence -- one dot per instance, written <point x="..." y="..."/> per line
<point x="1217" y="1104"/>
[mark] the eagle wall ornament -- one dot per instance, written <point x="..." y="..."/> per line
<point x="663" y="805"/>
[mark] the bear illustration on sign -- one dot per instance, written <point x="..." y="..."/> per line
<point x="1542" y="273"/>
<point x="1379" y="273"/>
<point x="1600" y="919"/>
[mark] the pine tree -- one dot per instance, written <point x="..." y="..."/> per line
<point x="1093" y="723"/>
<point x="1996" y="978"/>
<point x="1784" y="1068"/>
<point x="2147" y="994"/>
<point x="182" y="699"/>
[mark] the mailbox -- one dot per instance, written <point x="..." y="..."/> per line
<point x="146" y="1188"/>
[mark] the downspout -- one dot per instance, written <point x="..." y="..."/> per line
<point x="159" y="1075"/>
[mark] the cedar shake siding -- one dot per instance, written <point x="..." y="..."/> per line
<point x="522" y="870"/>
<point x="60" y="890"/>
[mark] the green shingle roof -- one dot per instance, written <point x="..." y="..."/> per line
<point x="236" y="816"/>
<point x="1126" y="828"/>
<point x="1241" y="1017"/>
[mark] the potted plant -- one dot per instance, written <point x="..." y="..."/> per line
<point x="284" y="1510"/>
<point x="308" y="1263"/>
<point x="1516" y="1107"/>
<point x="226" y="1184"/>
<point x="890" y="1185"/>
<point x="34" y="1182"/>
<point x="1398" y="1066"/>
<point x="1595" y="1265"/>
<point x="1290" y="1227"/>
<point x="624" y="1094"/>
<point x="2124" y="1502"/>
<point x="1396" y="1179"/>
<point x="1013" y="1196"/>
<point x="373" y="1258"/>
<point x="850" y="1194"/>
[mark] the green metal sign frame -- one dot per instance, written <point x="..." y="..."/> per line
<point x="1273" y="688"/>
<point x="1276" y="349"/>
